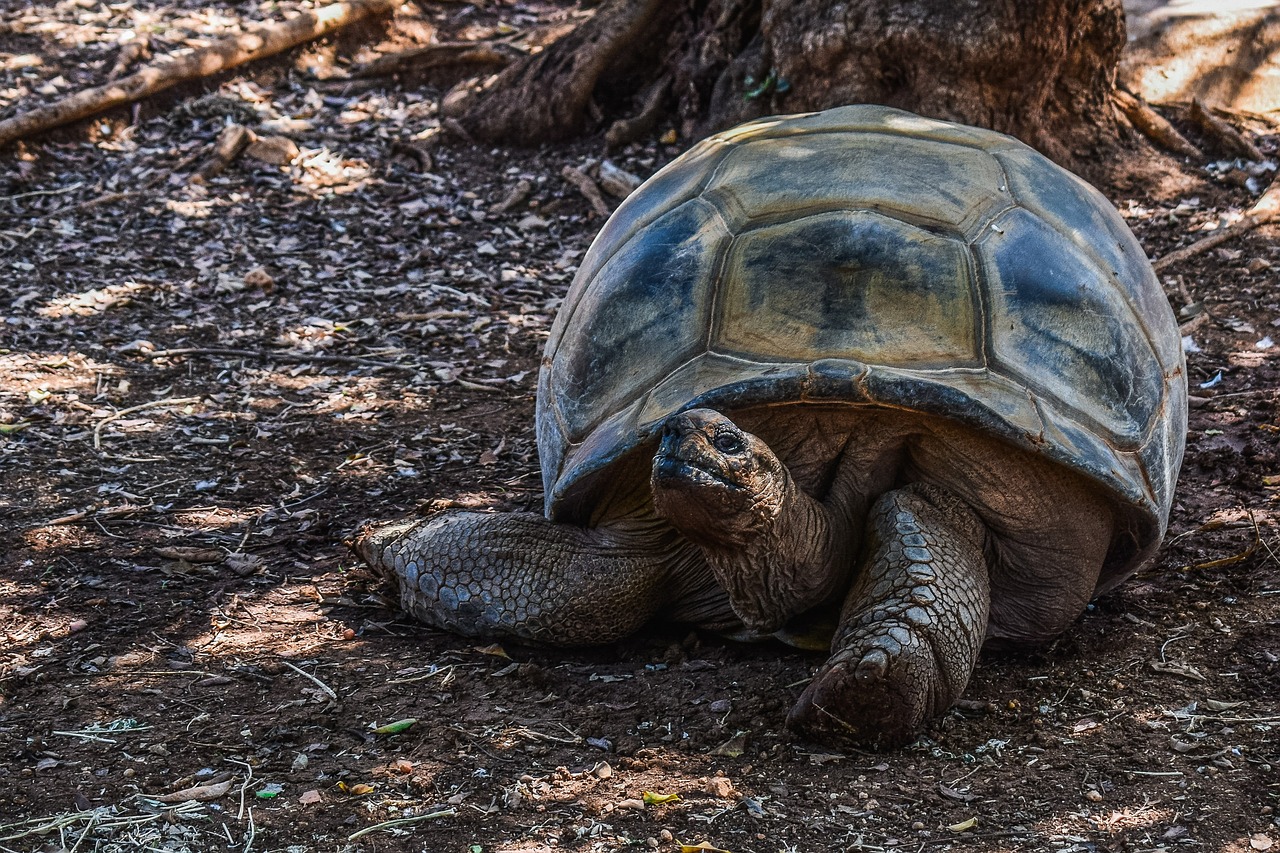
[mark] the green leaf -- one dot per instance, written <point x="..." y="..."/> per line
<point x="397" y="727"/>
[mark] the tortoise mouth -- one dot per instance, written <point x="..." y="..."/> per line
<point x="672" y="470"/>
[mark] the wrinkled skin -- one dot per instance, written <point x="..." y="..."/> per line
<point x="923" y="567"/>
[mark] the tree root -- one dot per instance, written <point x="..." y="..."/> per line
<point x="545" y="97"/>
<point x="627" y="130"/>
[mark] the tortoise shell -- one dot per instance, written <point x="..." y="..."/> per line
<point x="865" y="255"/>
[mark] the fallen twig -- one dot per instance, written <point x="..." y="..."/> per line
<point x="1265" y="210"/>
<point x="130" y="53"/>
<point x="268" y="355"/>
<point x="1152" y="125"/>
<point x="518" y="194"/>
<point x="438" y="56"/>
<point x="1239" y="557"/>
<point x="329" y="691"/>
<point x="387" y="824"/>
<point x="260" y="42"/>
<point x="168" y="401"/>
<point x="231" y="141"/>
<point x="587" y="187"/>
<point x="34" y="193"/>
<point x="1227" y="138"/>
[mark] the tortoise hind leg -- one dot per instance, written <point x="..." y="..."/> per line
<point x="520" y="575"/>
<point x="911" y="626"/>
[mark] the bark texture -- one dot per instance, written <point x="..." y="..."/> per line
<point x="1041" y="70"/>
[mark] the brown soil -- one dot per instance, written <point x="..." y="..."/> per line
<point x="177" y="610"/>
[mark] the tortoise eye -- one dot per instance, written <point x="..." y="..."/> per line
<point x="727" y="442"/>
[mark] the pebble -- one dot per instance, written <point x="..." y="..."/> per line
<point x="719" y="786"/>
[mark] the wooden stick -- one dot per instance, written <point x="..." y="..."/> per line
<point x="269" y="355"/>
<point x="1152" y="125"/>
<point x="440" y="55"/>
<point x="1228" y="139"/>
<point x="261" y="42"/>
<point x="168" y="401"/>
<point x="587" y="187"/>
<point x="1265" y="210"/>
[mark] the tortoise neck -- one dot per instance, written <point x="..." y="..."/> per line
<point x="793" y="561"/>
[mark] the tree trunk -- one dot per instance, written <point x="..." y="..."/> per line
<point x="1041" y="70"/>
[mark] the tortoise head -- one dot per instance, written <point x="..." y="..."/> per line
<point x="717" y="484"/>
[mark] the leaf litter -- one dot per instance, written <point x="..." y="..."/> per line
<point x="207" y="382"/>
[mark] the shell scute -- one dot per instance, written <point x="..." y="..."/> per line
<point x="848" y="284"/>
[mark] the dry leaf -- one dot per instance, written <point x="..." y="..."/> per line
<point x="733" y="747"/>
<point x="494" y="649"/>
<point x="654" y="799"/>
<point x="704" y="846"/>
<point x="358" y="790"/>
<point x="200" y="793"/>
<point x="964" y="825"/>
<point x="1179" y="668"/>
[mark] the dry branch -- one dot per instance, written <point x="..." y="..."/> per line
<point x="588" y="188"/>
<point x="231" y="141"/>
<point x="1266" y="209"/>
<point x="1154" y="126"/>
<point x="261" y="42"/>
<point x="1226" y="137"/>
<point x="441" y="55"/>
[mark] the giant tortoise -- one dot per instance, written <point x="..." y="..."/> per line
<point x="901" y="375"/>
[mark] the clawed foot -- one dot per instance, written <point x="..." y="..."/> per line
<point x="877" y="692"/>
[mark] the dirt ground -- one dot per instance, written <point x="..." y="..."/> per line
<point x="205" y="386"/>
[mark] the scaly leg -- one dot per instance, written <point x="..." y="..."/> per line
<point x="519" y="575"/>
<point x="911" y="626"/>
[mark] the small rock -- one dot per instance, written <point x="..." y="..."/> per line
<point x="720" y="786"/>
<point x="1257" y="265"/>
<point x="259" y="278"/>
<point x="721" y="706"/>
<point x="666" y="836"/>
<point x="631" y="804"/>
<point x="1093" y="796"/>
<point x="603" y="770"/>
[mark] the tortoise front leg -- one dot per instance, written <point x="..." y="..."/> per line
<point x="520" y="575"/>
<point x="911" y="626"/>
